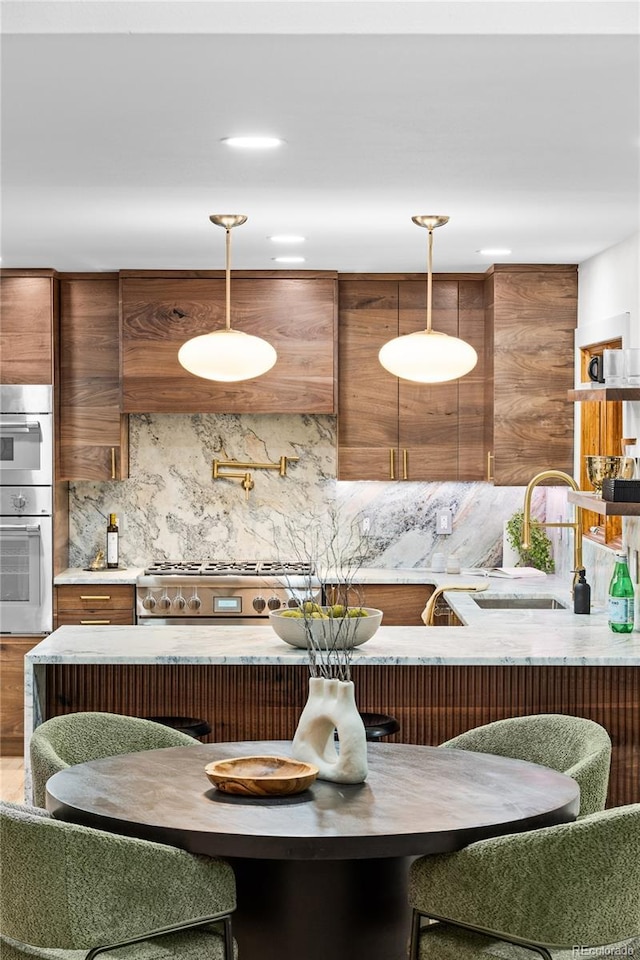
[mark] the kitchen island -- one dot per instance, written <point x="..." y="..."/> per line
<point x="437" y="681"/>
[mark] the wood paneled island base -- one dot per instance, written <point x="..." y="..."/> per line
<point x="323" y="873"/>
<point x="431" y="702"/>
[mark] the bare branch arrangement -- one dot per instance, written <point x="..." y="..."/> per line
<point x="335" y="551"/>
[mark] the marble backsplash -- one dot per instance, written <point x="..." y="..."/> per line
<point x="171" y="508"/>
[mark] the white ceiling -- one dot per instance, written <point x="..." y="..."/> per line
<point x="528" y="136"/>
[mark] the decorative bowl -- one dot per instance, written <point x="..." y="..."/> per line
<point x="332" y="633"/>
<point x="602" y="468"/>
<point x="261" y="776"/>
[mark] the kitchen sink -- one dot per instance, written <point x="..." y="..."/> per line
<point x="519" y="603"/>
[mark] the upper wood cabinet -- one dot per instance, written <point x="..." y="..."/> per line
<point x="532" y="314"/>
<point x="93" y="434"/>
<point x="394" y="429"/>
<point x="28" y="306"/>
<point x="295" y="312"/>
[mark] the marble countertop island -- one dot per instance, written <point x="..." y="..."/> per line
<point x="488" y="638"/>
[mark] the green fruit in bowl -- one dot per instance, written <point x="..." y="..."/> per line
<point x="337" y="610"/>
<point x="358" y="612"/>
<point x="296" y="614"/>
<point x="309" y="607"/>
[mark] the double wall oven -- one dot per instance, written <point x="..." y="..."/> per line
<point x="208" y="592"/>
<point x="26" y="502"/>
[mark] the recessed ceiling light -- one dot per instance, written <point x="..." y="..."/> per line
<point x="497" y="252"/>
<point x="253" y="143"/>
<point x="287" y="238"/>
<point x="288" y="259"/>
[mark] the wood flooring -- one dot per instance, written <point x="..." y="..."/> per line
<point x="12" y="779"/>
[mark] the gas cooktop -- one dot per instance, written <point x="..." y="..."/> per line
<point x="228" y="568"/>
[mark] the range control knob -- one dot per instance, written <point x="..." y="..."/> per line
<point x="19" y="501"/>
<point x="164" y="602"/>
<point x="259" y="604"/>
<point x="179" y="602"/>
<point x="274" y="603"/>
<point x="194" y="602"/>
<point x="149" y="602"/>
<point x="292" y="602"/>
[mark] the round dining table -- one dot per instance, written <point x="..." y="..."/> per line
<point x="321" y="875"/>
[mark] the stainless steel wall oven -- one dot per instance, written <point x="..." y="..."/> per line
<point x="26" y="501"/>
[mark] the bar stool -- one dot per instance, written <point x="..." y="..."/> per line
<point x="193" y="726"/>
<point x="379" y="725"/>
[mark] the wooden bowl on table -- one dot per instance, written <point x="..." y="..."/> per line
<point x="261" y="776"/>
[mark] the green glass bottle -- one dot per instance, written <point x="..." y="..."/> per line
<point x="620" y="605"/>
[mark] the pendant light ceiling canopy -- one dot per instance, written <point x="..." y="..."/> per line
<point x="428" y="356"/>
<point x="227" y="355"/>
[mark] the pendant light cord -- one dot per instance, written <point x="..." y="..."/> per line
<point x="228" y="279"/>
<point x="429" y="280"/>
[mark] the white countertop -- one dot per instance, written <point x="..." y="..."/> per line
<point x="534" y="637"/>
<point x="79" y="575"/>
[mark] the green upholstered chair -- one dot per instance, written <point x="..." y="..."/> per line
<point x="576" y="746"/>
<point x="77" y="737"/>
<point x="69" y="892"/>
<point x="554" y="889"/>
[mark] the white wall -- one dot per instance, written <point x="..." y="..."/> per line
<point x="608" y="285"/>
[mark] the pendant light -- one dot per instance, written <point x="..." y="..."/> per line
<point x="227" y="355"/>
<point x="428" y="356"/>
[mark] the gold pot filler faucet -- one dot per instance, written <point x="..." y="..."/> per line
<point x="576" y="525"/>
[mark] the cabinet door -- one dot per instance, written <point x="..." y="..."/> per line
<point x="426" y="431"/>
<point x="428" y="413"/>
<point x="87" y="605"/>
<point x="368" y="407"/>
<point x="534" y="312"/>
<point x="297" y="315"/>
<point x="27" y="307"/>
<point x="12" y="654"/>
<point x="401" y="603"/>
<point x="93" y="433"/>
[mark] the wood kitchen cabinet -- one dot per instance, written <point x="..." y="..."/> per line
<point x="296" y="312"/>
<point x="99" y="605"/>
<point x="93" y="434"/>
<point x="532" y="315"/>
<point x="401" y="603"/>
<point x="28" y="306"/>
<point x="12" y="653"/>
<point x="392" y="429"/>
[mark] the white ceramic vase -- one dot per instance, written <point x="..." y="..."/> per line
<point x="331" y="706"/>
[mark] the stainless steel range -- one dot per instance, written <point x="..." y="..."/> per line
<point x="221" y="592"/>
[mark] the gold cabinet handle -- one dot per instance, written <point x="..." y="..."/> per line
<point x="405" y="462"/>
<point x="490" y="457"/>
<point x="113" y="463"/>
<point x="392" y="463"/>
<point x="89" y="596"/>
<point x="84" y="623"/>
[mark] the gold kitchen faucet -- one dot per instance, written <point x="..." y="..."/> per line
<point x="575" y="525"/>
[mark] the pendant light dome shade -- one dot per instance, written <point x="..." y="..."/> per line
<point x="428" y="356"/>
<point x="227" y="355"/>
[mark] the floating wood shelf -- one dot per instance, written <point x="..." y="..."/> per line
<point x="606" y="508"/>
<point x="604" y="394"/>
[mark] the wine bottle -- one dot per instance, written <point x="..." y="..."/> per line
<point x="620" y="605"/>
<point x="112" y="542"/>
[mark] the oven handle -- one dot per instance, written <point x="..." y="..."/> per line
<point x="28" y="528"/>
<point x="22" y="426"/>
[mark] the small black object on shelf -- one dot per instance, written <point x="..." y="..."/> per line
<point x="621" y="491"/>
